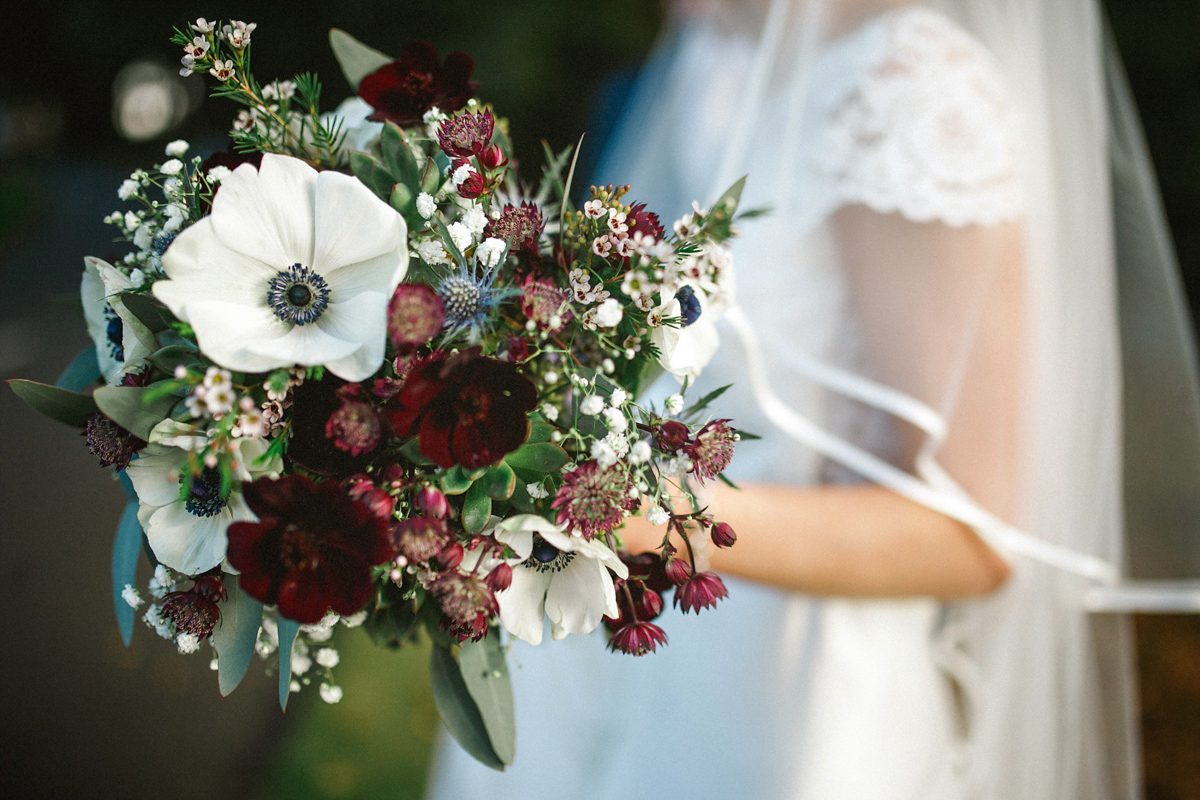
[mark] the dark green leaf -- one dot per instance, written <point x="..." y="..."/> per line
<point x="171" y="356"/>
<point x="402" y="199"/>
<point x="539" y="432"/>
<point x="485" y="673"/>
<point x="477" y="508"/>
<point x="455" y="480"/>
<point x="287" y="637"/>
<point x="235" y="635"/>
<point x="127" y="406"/>
<point x="431" y="177"/>
<point x="412" y="451"/>
<point x="81" y="373"/>
<point x="540" y="457"/>
<point x="728" y="482"/>
<point x="746" y="436"/>
<point x="499" y="481"/>
<point x="392" y="620"/>
<point x="71" y="408"/>
<point x="372" y="174"/>
<point x="355" y="58"/>
<point x="148" y="310"/>
<point x="126" y="547"/>
<point x="457" y="708"/>
<point x="397" y="156"/>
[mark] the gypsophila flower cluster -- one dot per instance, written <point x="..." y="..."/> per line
<point x="356" y="374"/>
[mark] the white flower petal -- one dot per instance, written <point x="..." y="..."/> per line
<point x="91" y="293"/>
<point x="522" y="602"/>
<point x="249" y="214"/>
<point x="598" y="551"/>
<point x="185" y="542"/>
<point x="372" y="275"/>
<point x="149" y="474"/>
<point x="579" y="597"/>
<point x="225" y="332"/>
<point x="303" y="344"/>
<point x="360" y="321"/>
<point x="200" y="267"/>
<point x="374" y="229"/>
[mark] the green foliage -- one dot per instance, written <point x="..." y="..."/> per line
<point x="234" y="638"/>
<point x="478" y="713"/>
<point x="477" y="507"/>
<point x="82" y="372"/>
<point x="287" y="637"/>
<point x="126" y="547"/>
<point x="63" y="405"/>
<point x="356" y="59"/>
<point x="135" y="408"/>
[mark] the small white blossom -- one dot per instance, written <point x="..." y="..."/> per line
<point x="222" y="70"/>
<point x="218" y="174"/>
<point x="330" y="693"/>
<point x="594" y="209"/>
<point x="177" y="148"/>
<point x="550" y="412"/>
<point x="426" y="206"/>
<point x="618" y="397"/>
<point x="188" y="643"/>
<point x="657" y="516"/>
<point x="143" y="237"/>
<point x="537" y="491"/>
<point x="130" y="595"/>
<point x="615" y="419"/>
<point x="327" y="657"/>
<point x="608" y="366"/>
<point x="459" y="234"/>
<point x="355" y="619"/>
<point x="475" y="219"/>
<point x="432" y="252"/>
<point x="551" y="377"/>
<point x="172" y="166"/>
<point x="203" y="26"/>
<point x="674" y="404"/>
<point x="238" y="34"/>
<point x="604" y="453"/>
<point x="461" y="174"/>
<point x="132" y="221"/>
<point x="128" y="189"/>
<point x="640" y="452"/>
<point x="301" y="663"/>
<point x="592" y="405"/>
<point x="609" y="313"/>
<point x="137" y="277"/>
<point x="677" y="467"/>
<point x="490" y="251"/>
<point x="617" y="441"/>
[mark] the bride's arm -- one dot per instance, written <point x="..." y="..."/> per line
<point x="915" y="288"/>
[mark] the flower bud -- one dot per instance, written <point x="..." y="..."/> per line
<point x="678" y="571"/>
<point x="432" y="502"/>
<point x="672" y="437"/>
<point x="723" y="535"/>
<point x="210" y="588"/>
<point x="473" y="186"/>
<point x="451" y="556"/>
<point x="702" y="590"/>
<point x="500" y="578"/>
<point x="651" y="604"/>
<point x="492" y="157"/>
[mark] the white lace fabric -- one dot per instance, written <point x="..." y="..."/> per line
<point x="913" y="116"/>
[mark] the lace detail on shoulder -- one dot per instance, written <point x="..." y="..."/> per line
<point x="914" y="116"/>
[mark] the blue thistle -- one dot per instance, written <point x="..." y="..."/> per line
<point x="471" y="300"/>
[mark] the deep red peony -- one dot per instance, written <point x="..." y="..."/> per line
<point x="464" y="408"/>
<point x="312" y="548"/>
<point x="402" y="91"/>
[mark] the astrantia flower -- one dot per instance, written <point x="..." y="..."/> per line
<point x="465" y="409"/>
<point x="592" y="498"/>
<point x="415" y="315"/>
<point x="109" y="442"/>
<point x="520" y="225"/>
<point x="701" y="590"/>
<point x="545" y="304"/>
<point x="467" y="603"/>
<point x="639" y="220"/>
<point x="402" y="91"/>
<point x="196" y="611"/>
<point x="355" y="427"/>
<point x="712" y="449"/>
<point x="637" y="638"/>
<point x="311" y="549"/>
<point x="565" y="578"/>
<point x="188" y="533"/>
<point x="292" y="267"/>
<point x="466" y="134"/>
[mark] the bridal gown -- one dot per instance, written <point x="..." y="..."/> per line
<point x="775" y="694"/>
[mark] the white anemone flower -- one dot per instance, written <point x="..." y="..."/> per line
<point x="187" y="534"/>
<point x="358" y="132"/>
<point x="563" y="577"/>
<point x="293" y="266"/>
<point x="684" y="351"/>
<point x="121" y="340"/>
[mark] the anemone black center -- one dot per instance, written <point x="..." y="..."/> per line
<point x="204" y="499"/>
<point x="298" y="295"/>
<point x="689" y="305"/>
<point x="546" y="557"/>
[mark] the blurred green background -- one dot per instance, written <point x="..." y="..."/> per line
<point x="87" y="718"/>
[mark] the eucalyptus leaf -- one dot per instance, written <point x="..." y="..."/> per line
<point x="458" y="710"/>
<point x="131" y="408"/>
<point x="500" y="481"/>
<point x="63" y="405"/>
<point x="236" y="635"/>
<point x="397" y="155"/>
<point x="172" y="356"/>
<point x="287" y="637"/>
<point x="356" y="59"/>
<point x="455" y="481"/>
<point x="126" y="547"/>
<point x="477" y="507"/>
<point x="539" y="457"/>
<point x="148" y="310"/>
<point x="82" y="372"/>
<point x="485" y="673"/>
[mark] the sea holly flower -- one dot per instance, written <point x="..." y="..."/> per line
<point x="402" y="91"/>
<point x="564" y="578"/>
<point x="187" y="533"/>
<point x="465" y="408"/>
<point x="291" y="267"/>
<point x="311" y="549"/>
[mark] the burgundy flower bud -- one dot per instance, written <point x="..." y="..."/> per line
<point x="672" y="437"/>
<point x="451" y="556"/>
<point x="651" y="604"/>
<point x="516" y="349"/>
<point x="382" y="504"/>
<point x="473" y="186"/>
<point x="492" y="157"/>
<point x="194" y="611"/>
<point x="415" y="315"/>
<point x="637" y="638"/>
<point x="210" y="588"/>
<point x="431" y="502"/>
<point x="420" y="538"/>
<point x="678" y="571"/>
<point x="702" y="590"/>
<point x="500" y="578"/>
<point x="723" y="535"/>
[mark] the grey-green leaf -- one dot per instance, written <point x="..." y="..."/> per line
<point x="500" y="481"/>
<point x="287" y="637"/>
<point x="485" y="672"/>
<point x="126" y="406"/>
<point x="82" y="372"/>
<point x="732" y="196"/>
<point x="126" y="547"/>
<point x="457" y="708"/>
<point x="355" y="58"/>
<point x="63" y="405"/>
<point x="235" y="635"/>
<point x="540" y="457"/>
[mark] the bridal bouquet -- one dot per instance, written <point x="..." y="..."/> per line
<point x="353" y="372"/>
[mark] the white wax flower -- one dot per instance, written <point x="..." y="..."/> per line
<point x="291" y="267"/>
<point x="564" y="578"/>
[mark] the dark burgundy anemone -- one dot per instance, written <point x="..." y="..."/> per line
<point x="402" y="91"/>
<point x="465" y="408"/>
<point x="312" y="548"/>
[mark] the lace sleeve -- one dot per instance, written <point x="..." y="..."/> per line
<point x="915" y="118"/>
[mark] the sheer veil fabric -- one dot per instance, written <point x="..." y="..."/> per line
<point x="964" y="291"/>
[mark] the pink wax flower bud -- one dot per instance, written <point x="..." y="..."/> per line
<point x="432" y="502"/>
<point x="672" y="436"/>
<point x="451" y="556"/>
<point x="678" y="571"/>
<point x="723" y="535"/>
<point x="637" y="638"/>
<point x="492" y="157"/>
<point x="702" y="590"/>
<point x="500" y="578"/>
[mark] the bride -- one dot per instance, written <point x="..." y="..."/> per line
<point x="932" y="330"/>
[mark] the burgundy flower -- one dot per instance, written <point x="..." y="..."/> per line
<point x="542" y="301"/>
<point x="467" y="604"/>
<point x="637" y="638"/>
<point x="678" y="570"/>
<point x="415" y="315"/>
<point x="313" y="403"/>
<point x="432" y="502"/>
<point x="640" y="220"/>
<point x="109" y="442"/>
<point x="355" y="427"/>
<point x="312" y="548"/>
<point x="465" y="409"/>
<point x="593" y="498"/>
<point x="380" y="502"/>
<point x="712" y="449"/>
<point x="402" y="91"/>
<point x="702" y="590"/>
<point x="671" y="437"/>
<point x="473" y="186"/>
<point x="520" y="225"/>
<point x="420" y="538"/>
<point x="195" y="611"/>
<point x="466" y="134"/>
<point x="723" y="535"/>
